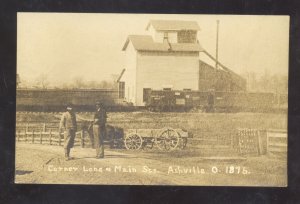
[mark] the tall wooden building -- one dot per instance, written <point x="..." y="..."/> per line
<point x="167" y="58"/>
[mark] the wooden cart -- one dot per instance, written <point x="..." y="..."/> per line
<point x="163" y="139"/>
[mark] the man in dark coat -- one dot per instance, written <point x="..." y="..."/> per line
<point x="68" y="123"/>
<point x="99" y="129"/>
<point x="211" y="101"/>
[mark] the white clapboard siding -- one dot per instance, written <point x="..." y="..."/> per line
<point x="156" y="70"/>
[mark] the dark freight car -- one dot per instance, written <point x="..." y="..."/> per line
<point x="178" y="100"/>
<point x="56" y="99"/>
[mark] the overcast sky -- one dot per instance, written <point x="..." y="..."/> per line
<point x="64" y="46"/>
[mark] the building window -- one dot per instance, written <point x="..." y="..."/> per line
<point x="166" y="37"/>
<point x="187" y="36"/>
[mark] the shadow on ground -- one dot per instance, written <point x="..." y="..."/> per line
<point x="22" y="172"/>
<point x="106" y="156"/>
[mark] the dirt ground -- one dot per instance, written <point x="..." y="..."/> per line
<point x="45" y="164"/>
<point x="200" y="163"/>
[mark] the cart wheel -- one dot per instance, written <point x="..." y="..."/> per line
<point x="168" y="139"/>
<point x="133" y="141"/>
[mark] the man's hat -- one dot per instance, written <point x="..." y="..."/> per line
<point x="69" y="105"/>
<point x="99" y="104"/>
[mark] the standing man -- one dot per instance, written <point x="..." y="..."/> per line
<point x="68" y="123"/>
<point x="99" y="129"/>
<point x="211" y="101"/>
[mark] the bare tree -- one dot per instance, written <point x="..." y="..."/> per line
<point x="275" y="83"/>
<point x="114" y="80"/>
<point x="92" y="84"/>
<point x="78" y="82"/>
<point x="65" y="86"/>
<point x="42" y="81"/>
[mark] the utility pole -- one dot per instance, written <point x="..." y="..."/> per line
<point x="217" y="44"/>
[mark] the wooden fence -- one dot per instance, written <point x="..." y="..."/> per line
<point x="276" y="140"/>
<point x="245" y="141"/>
<point x="48" y="134"/>
<point x="259" y="142"/>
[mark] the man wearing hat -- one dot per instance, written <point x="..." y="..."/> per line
<point x="211" y="101"/>
<point x="99" y="129"/>
<point x="68" y="123"/>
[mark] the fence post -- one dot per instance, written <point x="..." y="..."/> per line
<point x="267" y="141"/>
<point x="259" y="149"/>
<point x="44" y="127"/>
<point x="50" y="137"/>
<point x="262" y="141"/>
<point x="41" y="137"/>
<point x="25" y="135"/>
<point x="241" y="134"/>
<point x="59" y="138"/>
<point x="32" y="139"/>
<point x="256" y="137"/>
<point x="26" y="127"/>
<point x="82" y="138"/>
<point x="26" y="130"/>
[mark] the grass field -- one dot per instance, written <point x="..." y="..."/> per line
<point x="266" y="170"/>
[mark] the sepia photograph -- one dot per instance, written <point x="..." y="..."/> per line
<point x="152" y="99"/>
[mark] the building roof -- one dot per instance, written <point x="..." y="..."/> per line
<point x="173" y="25"/>
<point x="235" y="78"/>
<point x="186" y="47"/>
<point x="146" y="43"/>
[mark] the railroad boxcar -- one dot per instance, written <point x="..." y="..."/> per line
<point x="56" y="99"/>
<point x="178" y="100"/>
